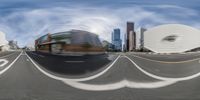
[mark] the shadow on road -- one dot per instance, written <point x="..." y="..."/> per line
<point x="70" y="65"/>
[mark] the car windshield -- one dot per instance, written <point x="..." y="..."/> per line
<point x="99" y="50"/>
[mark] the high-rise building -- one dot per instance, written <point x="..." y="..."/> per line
<point x="116" y="40"/>
<point x="142" y="30"/>
<point x="130" y="27"/>
<point x="131" y="41"/>
<point x="125" y="43"/>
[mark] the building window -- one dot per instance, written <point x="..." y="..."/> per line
<point x="171" y="38"/>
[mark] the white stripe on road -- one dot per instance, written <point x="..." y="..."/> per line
<point x="160" y="77"/>
<point x="41" y="56"/>
<point x="7" y="55"/>
<point x="68" y="79"/>
<point x="27" y="59"/>
<point x="118" y="85"/>
<point x="37" y="55"/>
<point x="5" y="69"/>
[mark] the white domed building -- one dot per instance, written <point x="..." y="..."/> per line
<point x="171" y="38"/>
<point x="3" y="42"/>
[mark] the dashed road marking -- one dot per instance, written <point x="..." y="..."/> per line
<point x="74" y="61"/>
<point x="41" y="56"/>
<point x="37" y="55"/>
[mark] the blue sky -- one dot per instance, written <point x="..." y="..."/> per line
<point x="25" y="20"/>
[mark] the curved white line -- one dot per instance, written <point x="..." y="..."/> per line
<point x="5" y="69"/>
<point x="76" y="83"/>
<point x="4" y="62"/>
<point x="118" y="85"/>
<point x="163" y="78"/>
<point x="68" y="79"/>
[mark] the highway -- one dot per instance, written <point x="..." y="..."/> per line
<point x="114" y="76"/>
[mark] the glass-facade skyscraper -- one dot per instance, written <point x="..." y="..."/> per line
<point x="116" y="40"/>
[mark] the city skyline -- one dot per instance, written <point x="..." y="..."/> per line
<point x="33" y="19"/>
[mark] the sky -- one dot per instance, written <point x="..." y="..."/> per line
<point x="26" y="20"/>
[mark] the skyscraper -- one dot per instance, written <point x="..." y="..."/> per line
<point x="131" y="41"/>
<point x="116" y="40"/>
<point x="142" y="30"/>
<point x="125" y="43"/>
<point x="130" y="27"/>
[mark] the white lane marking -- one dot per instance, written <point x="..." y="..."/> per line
<point x="160" y="77"/>
<point x="168" y="62"/>
<point x="37" y="54"/>
<point x="4" y="62"/>
<point x="27" y="59"/>
<point x="8" y="55"/>
<point x="68" y="79"/>
<point x="105" y="87"/>
<point x="118" y="85"/>
<point x="40" y="55"/>
<point x="74" y="61"/>
<point x="5" y="69"/>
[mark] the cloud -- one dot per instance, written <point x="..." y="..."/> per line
<point x="28" y="24"/>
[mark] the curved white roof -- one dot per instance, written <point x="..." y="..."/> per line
<point x="3" y="40"/>
<point x="171" y="38"/>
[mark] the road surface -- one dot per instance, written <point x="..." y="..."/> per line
<point x="124" y="76"/>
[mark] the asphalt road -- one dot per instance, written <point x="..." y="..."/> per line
<point x="123" y="76"/>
